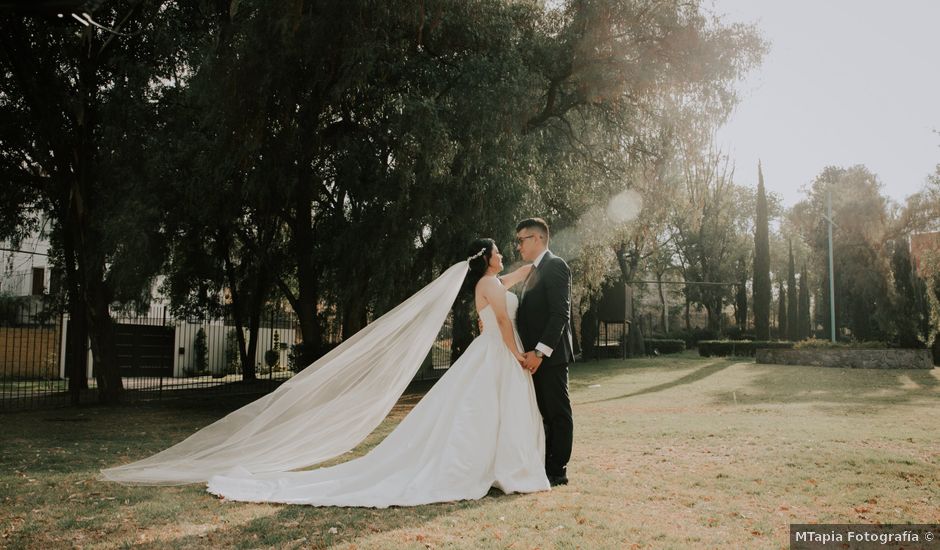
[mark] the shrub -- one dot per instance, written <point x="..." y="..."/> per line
<point x="725" y="348"/>
<point x="200" y="351"/>
<point x="232" y="358"/>
<point x="664" y="345"/>
<point x="692" y="337"/>
<point x="736" y="333"/>
<point x="271" y="358"/>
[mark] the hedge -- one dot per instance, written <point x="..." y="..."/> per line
<point x="724" y="348"/>
<point x="664" y="345"/>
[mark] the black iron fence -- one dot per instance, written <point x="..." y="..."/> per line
<point x="158" y="355"/>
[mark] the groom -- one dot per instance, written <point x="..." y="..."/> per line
<point x="545" y="329"/>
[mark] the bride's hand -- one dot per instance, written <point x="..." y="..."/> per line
<point x="520" y="358"/>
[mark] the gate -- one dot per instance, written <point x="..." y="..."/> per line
<point x="144" y="350"/>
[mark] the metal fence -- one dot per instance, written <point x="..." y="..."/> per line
<point x="159" y="356"/>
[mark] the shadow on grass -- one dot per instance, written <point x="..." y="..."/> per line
<point x="694" y="376"/>
<point x="866" y="388"/>
<point x="296" y="526"/>
<point x="585" y="373"/>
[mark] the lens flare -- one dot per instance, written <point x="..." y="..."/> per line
<point x="625" y="207"/>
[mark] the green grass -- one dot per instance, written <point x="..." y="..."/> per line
<point x="671" y="452"/>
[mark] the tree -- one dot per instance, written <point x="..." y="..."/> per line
<point x="911" y="309"/>
<point x="864" y="295"/>
<point x="782" y="317"/>
<point x="711" y="222"/>
<point x="805" y="319"/>
<point x="761" y="288"/>
<point x="793" y="307"/>
<point x="84" y="103"/>
<point x="740" y="304"/>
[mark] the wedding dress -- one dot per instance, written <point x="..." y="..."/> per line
<point x="478" y="427"/>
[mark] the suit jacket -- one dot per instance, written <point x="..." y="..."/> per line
<point x="545" y="310"/>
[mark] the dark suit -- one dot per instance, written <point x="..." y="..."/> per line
<point x="545" y="316"/>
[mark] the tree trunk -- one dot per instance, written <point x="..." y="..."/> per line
<point x="713" y="307"/>
<point x="663" y="313"/>
<point x="104" y="351"/>
<point x="78" y="320"/>
<point x="354" y="313"/>
<point x="254" y="324"/>
<point x="248" y="365"/>
<point x="589" y="333"/>
<point x="308" y="278"/>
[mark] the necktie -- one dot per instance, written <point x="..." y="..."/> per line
<point x="525" y="283"/>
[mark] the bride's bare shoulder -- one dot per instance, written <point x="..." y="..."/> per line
<point x="489" y="284"/>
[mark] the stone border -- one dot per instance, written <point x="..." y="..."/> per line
<point x="848" y="358"/>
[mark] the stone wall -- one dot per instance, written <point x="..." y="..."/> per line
<point x="849" y="358"/>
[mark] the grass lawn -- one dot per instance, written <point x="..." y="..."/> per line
<point x="671" y="452"/>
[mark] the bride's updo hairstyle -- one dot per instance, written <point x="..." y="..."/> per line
<point x="478" y="263"/>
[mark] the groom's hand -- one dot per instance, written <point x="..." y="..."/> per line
<point x="532" y="362"/>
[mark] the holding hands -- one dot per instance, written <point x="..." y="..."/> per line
<point x="531" y="361"/>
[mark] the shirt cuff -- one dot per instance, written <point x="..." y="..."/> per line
<point x="547" y="351"/>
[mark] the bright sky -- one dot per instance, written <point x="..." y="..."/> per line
<point x="845" y="82"/>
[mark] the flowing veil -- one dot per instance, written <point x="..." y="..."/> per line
<point x="321" y="412"/>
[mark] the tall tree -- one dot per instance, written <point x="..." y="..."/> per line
<point x="805" y="319"/>
<point x="761" y="288"/>
<point x="86" y="100"/>
<point x="711" y="223"/>
<point x="782" y="317"/>
<point x="793" y="307"/>
<point x="863" y="291"/>
<point x="911" y="308"/>
<point x="740" y="305"/>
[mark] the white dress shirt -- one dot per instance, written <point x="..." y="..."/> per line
<point x="547" y="351"/>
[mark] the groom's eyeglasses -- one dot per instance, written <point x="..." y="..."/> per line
<point x="520" y="240"/>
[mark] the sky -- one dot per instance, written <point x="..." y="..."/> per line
<point x="844" y="83"/>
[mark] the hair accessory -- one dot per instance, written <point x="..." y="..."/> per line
<point x="477" y="255"/>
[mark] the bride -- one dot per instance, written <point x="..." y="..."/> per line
<point x="478" y="427"/>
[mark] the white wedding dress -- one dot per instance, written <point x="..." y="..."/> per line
<point x="478" y="427"/>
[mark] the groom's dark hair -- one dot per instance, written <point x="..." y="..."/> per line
<point x="534" y="223"/>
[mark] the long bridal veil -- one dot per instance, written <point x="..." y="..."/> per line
<point x="321" y="412"/>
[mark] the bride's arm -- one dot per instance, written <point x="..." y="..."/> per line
<point x="495" y="295"/>
<point x="517" y="276"/>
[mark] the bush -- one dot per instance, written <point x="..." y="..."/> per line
<point x="692" y="337"/>
<point x="736" y="333"/>
<point x="11" y="309"/>
<point x="200" y="351"/>
<point x="663" y="345"/>
<point x="271" y="358"/>
<point x="726" y="348"/>
<point x="232" y="357"/>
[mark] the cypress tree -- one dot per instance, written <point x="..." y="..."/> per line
<point x="806" y="324"/>
<point x="761" y="263"/>
<point x="793" y="308"/>
<point x="740" y="302"/>
<point x="782" y="313"/>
